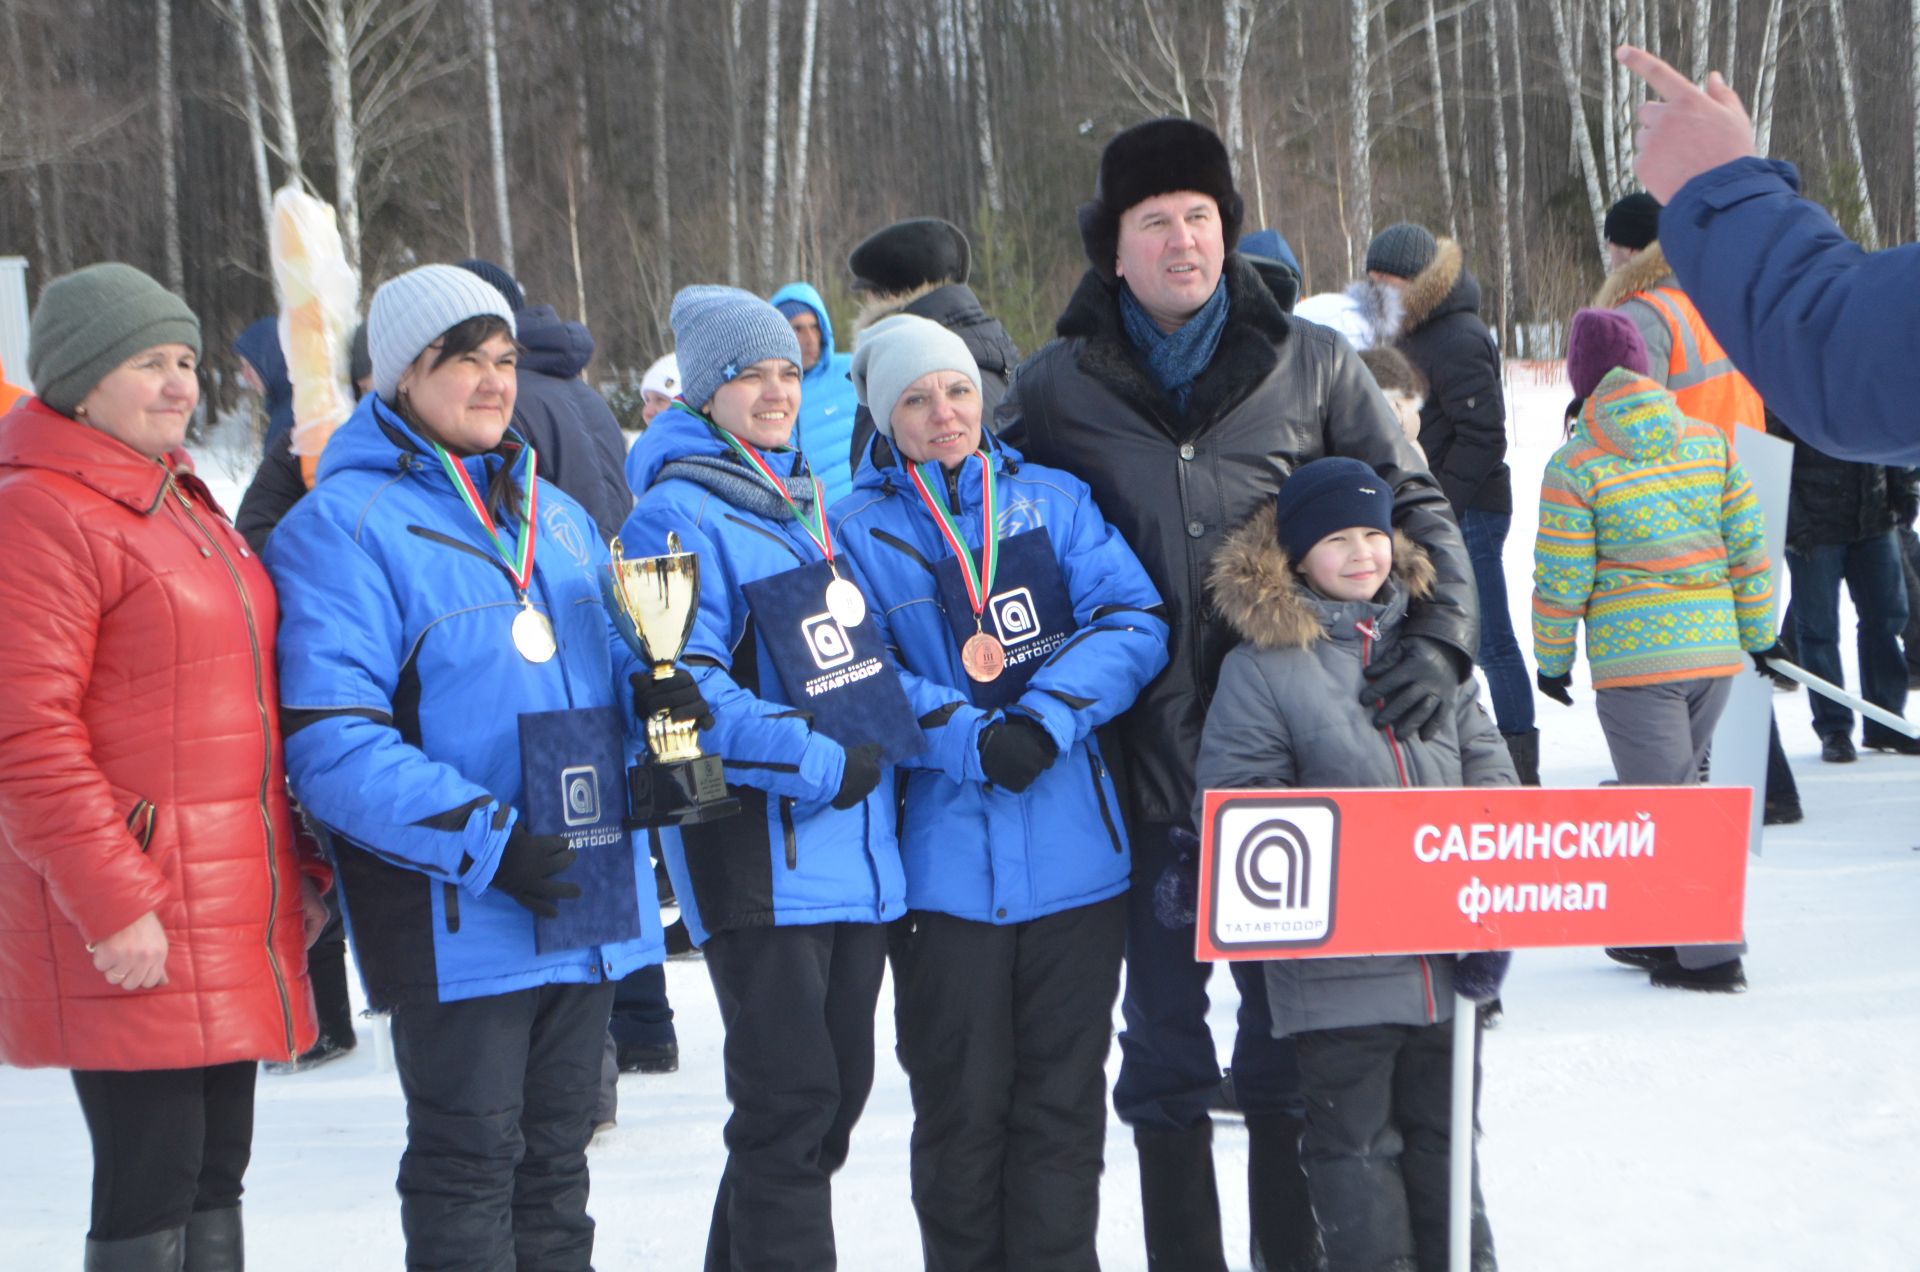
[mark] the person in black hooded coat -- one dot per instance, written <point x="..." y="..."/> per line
<point x="572" y="429"/>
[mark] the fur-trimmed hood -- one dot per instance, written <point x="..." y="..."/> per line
<point x="1442" y="287"/>
<point x="1647" y="270"/>
<point x="880" y="305"/>
<point x="1253" y="586"/>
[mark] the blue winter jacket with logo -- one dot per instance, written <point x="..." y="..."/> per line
<point x="971" y="849"/>
<point x="787" y="857"/>
<point x="401" y="691"/>
<point x="827" y="401"/>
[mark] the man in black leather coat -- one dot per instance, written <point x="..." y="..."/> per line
<point x="1183" y="395"/>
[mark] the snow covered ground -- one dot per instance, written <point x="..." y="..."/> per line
<point x="1625" y="1127"/>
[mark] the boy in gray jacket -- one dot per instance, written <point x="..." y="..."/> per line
<point x="1316" y="585"/>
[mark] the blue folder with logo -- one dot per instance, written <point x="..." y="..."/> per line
<point x="842" y="675"/>
<point x="573" y="767"/>
<point x="1030" y="612"/>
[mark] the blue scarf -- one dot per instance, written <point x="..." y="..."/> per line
<point x="1176" y="359"/>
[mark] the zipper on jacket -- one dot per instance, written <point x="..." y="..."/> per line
<point x="1369" y="633"/>
<point x="266" y="766"/>
<point x="140" y="823"/>
<point x="1100" y="796"/>
<point x="451" y="903"/>
<point x="786" y="829"/>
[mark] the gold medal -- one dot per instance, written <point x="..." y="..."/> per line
<point x="533" y="635"/>
<point x="845" y="603"/>
<point x="983" y="657"/>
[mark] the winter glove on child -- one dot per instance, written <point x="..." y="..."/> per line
<point x="1478" y="976"/>
<point x="1176" y="893"/>
<point x="860" y="776"/>
<point x="677" y="695"/>
<point x="1412" y="684"/>
<point x="527" y="868"/>
<point x="1555" y="687"/>
<point x="1015" y="751"/>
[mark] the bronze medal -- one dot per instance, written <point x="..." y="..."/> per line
<point x="533" y="635"/>
<point x="983" y="657"/>
<point x="845" y="602"/>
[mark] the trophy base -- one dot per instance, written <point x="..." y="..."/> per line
<point x="679" y="792"/>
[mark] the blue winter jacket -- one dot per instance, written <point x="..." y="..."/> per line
<point x="971" y="849"/>
<point x="787" y="857"/>
<point x="400" y="692"/>
<point x="1813" y="320"/>
<point x="259" y="344"/>
<point x="827" y="401"/>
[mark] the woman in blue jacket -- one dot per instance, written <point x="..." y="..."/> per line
<point x="1007" y="593"/>
<point x="786" y="897"/>
<point x="438" y="606"/>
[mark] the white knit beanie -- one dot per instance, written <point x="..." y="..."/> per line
<point x="410" y="312"/>
<point x="896" y="351"/>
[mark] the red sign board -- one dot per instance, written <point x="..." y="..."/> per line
<point x="1314" y="874"/>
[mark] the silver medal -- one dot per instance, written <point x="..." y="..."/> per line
<point x="533" y="635"/>
<point x="845" y="603"/>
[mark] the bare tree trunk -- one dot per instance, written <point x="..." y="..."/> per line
<point x="1437" y="87"/>
<point x="1913" y="73"/>
<point x="497" y="138"/>
<point x="662" y="188"/>
<point x="1768" y="78"/>
<point x="235" y="14"/>
<point x="286" y="125"/>
<point x="770" y="144"/>
<point x="736" y="125"/>
<point x="1359" y="140"/>
<point x="36" y="194"/>
<point x="346" y="156"/>
<point x="573" y="245"/>
<point x="166" y="105"/>
<point x="1613" y="87"/>
<point x="1465" y="205"/>
<point x="1733" y="38"/>
<point x="1700" y="38"/>
<point x="1843" y="54"/>
<point x="983" y="112"/>
<point x="1237" y="16"/>
<point x="1519" y="116"/>
<point x="803" y="137"/>
<point x="1502" y="215"/>
<point x="1582" y="139"/>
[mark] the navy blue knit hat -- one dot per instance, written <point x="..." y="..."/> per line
<point x="502" y="281"/>
<point x="1326" y="495"/>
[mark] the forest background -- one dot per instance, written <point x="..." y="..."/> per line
<point x="610" y="151"/>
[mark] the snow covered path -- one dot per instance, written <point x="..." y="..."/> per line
<point x="1625" y="1127"/>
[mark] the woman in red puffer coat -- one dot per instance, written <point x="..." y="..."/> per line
<point x="154" y="909"/>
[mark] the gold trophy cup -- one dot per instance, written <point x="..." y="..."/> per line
<point x="653" y="601"/>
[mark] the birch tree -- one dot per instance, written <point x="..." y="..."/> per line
<point x="662" y="187"/>
<point x="1437" y="88"/>
<point x="1843" y="55"/>
<point x="736" y="129"/>
<point x="346" y="157"/>
<point x="803" y="137"/>
<point x="1767" y="77"/>
<point x="1502" y="206"/>
<point x="497" y="140"/>
<point x="770" y="144"/>
<point x="983" y="112"/>
<point x="1582" y="139"/>
<point x="1359" y="140"/>
<point x="234" y="14"/>
<point x="277" y="74"/>
<point x="1237" y="19"/>
<point x="1700" y="37"/>
<point x="165" y="105"/>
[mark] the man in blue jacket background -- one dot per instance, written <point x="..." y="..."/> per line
<point x="827" y="403"/>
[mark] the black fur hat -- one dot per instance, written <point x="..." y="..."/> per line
<point x="910" y="254"/>
<point x="1161" y="156"/>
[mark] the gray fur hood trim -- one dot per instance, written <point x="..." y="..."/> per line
<point x="1253" y="586"/>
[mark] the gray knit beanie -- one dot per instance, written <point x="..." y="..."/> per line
<point x="90" y="321"/>
<point x="896" y="351"/>
<point x="718" y="331"/>
<point x="410" y="312"/>
<point x="1402" y="250"/>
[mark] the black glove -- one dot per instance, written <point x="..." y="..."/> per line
<point x="677" y="695"/>
<point x="1176" y="893"/>
<point x="1555" y="687"/>
<point x="1014" y="751"/>
<point x="1763" y="659"/>
<point x="527" y="868"/>
<point x="1903" y="494"/>
<point x="1413" y="683"/>
<point x="860" y="776"/>
<point x="1478" y="976"/>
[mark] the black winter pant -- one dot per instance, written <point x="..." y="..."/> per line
<point x="1003" y="1032"/>
<point x="500" y="1094"/>
<point x="1376" y="1145"/>
<point x="797" y="1005"/>
<point x="166" y="1143"/>
<point x="327" y="970"/>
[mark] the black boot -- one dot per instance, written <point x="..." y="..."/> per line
<point x="1525" y="750"/>
<point x="155" y="1252"/>
<point x="1179" y="1205"/>
<point x="1285" y="1237"/>
<point x="215" y="1242"/>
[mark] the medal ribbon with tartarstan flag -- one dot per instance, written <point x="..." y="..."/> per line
<point x="532" y="632"/>
<point x="983" y="657"/>
<point x="844" y="599"/>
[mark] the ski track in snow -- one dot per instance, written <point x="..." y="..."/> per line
<point x="1623" y="1126"/>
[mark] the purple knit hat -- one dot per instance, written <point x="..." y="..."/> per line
<point x="1601" y="340"/>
